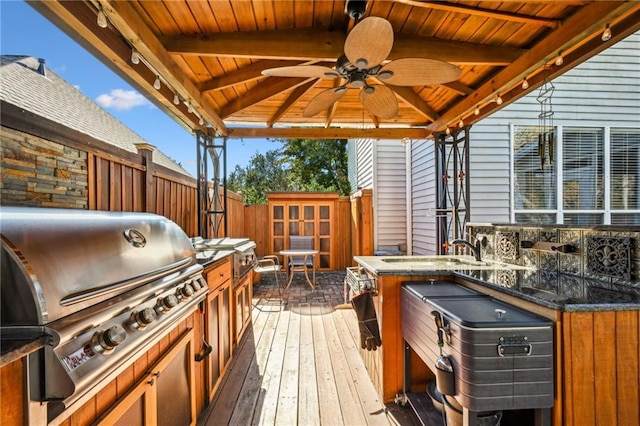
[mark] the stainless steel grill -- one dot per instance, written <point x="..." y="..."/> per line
<point x="102" y="287"/>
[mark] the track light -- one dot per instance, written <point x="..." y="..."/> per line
<point x="525" y="83"/>
<point x="477" y="111"/>
<point x="559" y="59"/>
<point x="448" y="131"/>
<point x="102" y="18"/>
<point x="156" y="84"/>
<point x="189" y="107"/>
<point x="461" y="123"/>
<point x="135" y="57"/>
<point x="201" y="122"/>
<point x="499" y="99"/>
<point x="176" y="99"/>
<point x="606" y="34"/>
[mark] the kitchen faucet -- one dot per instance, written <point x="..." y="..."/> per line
<point x="475" y="249"/>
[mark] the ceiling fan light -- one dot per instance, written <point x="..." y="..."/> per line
<point x="369" y="89"/>
<point x="385" y="75"/>
<point x="340" y="90"/>
<point x="606" y="34"/>
<point x="331" y="74"/>
<point x="362" y="63"/>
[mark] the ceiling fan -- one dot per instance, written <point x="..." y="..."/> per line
<point x="365" y="51"/>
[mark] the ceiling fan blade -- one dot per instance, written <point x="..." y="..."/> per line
<point x="369" y="42"/>
<point x="323" y="101"/>
<point x="381" y="101"/>
<point x="315" y="71"/>
<point x="418" y="72"/>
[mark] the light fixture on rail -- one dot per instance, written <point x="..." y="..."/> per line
<point x="606" y="34"/>
<point x="461" y="123"/>
<point x="499" y="99"/>
<point x="477" y="110"/>
<point x="559" y="59"/>
<point x="135" y="57"/>
<point x="156" y="84"/>
<point x="176" y="99"/>
<point x="525" y="83"/>
<point x="102" y="18"/>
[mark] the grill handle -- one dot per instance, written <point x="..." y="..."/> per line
<point x="206" y="347"/>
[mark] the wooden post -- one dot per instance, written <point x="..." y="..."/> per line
<point x="149" y="196"/>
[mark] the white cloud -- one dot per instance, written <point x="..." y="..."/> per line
<point x="121" y="100"/>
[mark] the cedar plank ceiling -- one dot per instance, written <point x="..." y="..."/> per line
<point x="212" y="53"/>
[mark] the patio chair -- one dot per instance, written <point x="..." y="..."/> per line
<point x="269" y="264"/>
<point x="300" y="243"/>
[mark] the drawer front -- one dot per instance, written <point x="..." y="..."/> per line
<point x="218" y="274"/>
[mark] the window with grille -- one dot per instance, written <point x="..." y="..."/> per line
<point x="597" y="182"/>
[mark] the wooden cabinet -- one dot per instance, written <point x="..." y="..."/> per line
<point x="309" y="214"/>
<point x="219" y="324"/>
<point x="163" y="396"/>
<point x="242" y="297"/>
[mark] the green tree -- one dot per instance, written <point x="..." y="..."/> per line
<point x="300" y="165"/>
<point x="320" y="164"/>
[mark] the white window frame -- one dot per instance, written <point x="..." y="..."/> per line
<point x="560" y="212"/>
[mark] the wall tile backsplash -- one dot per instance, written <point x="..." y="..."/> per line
<point x="605" y="254"/>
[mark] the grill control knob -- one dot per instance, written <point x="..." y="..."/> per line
<point x="143" y="318"/>
<point x="186" y="291"/>
<point x="168" y="302"/>
<point x="111" y="338"/>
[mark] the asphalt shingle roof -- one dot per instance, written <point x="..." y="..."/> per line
<point x="53" y="98"/>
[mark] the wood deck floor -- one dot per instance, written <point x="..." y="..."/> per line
<point x="299" y="364"/>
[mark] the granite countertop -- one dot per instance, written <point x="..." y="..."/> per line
<point x="207" y="257"/>
<point x="545" y="288"/>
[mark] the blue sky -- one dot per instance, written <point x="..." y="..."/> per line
<point x="25" y="32"/>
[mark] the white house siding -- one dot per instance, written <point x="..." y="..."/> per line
<point x="360" y="163"/>
<point x="389" y="194"/>
<point x="603" y="91"/>
<point x="423" y="190"/>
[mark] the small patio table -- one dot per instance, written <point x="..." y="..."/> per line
<point x="306" y="253"/>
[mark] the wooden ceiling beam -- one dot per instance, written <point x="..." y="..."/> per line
<point x="458" y="87"/>
<point x="328" y="133"/>
<point x="243" y="75"/>
<point x="270" y="87"/>
<point x="487" y="13"/>
<point x="307" y="44"/>
<point x="126" y="20"/>
<point x="573" y="31"/>
<point x="297" y="93"/>
<point x="415" y="101"/>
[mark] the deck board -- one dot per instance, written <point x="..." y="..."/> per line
<point x="299" y="363"/>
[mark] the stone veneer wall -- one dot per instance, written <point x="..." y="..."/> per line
<point x="39" y="173"/>
<point x="607" y="254"/>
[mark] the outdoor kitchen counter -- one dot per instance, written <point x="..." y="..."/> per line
<point x="587" y="314"/>
<point x="559" y="291"/>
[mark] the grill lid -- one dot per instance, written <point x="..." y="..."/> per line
<point x="56" y="262"/>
